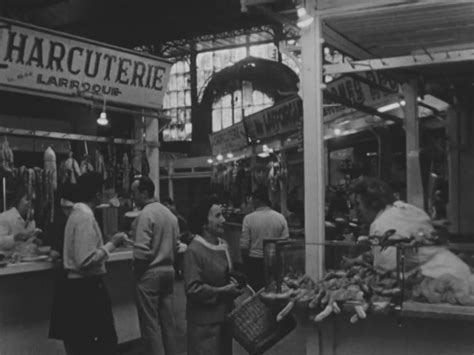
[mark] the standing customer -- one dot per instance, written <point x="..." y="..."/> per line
<point x="84" y="319"/>
<point x="156" y="237"/>
<point x="209" y="291"/>
<point x="263" y="223"/>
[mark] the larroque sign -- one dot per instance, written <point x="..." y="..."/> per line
<point x="36" y="59"/>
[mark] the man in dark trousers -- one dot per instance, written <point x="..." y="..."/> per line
<point x="156" y="234"/>
<point x="263" y="223"/>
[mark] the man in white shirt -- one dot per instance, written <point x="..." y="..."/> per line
<point x="263" y="223"/>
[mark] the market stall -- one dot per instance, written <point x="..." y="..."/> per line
<point x="53" y="88"/>
<point x="370" y="30"/>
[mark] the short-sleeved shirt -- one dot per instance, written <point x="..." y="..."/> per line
<point x="263" y="223"/>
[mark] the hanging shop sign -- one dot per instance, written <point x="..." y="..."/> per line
<point x="38" y="60"/>
<point x="229" y="139"/>
<point x="360" y="92"/>
<point x="278" y="119"/>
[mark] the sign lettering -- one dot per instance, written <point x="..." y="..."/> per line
<point x="40" y="59"/>
<point x="358" y="92"/>
<point x="278" y="119"/>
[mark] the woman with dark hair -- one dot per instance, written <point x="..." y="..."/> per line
<point x="377" y="206"/>
<point x="208" y="287"/>
<point x="83" y="313"/>
<point x="16" y="224"/>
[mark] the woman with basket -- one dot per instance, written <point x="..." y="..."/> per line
<point x="208" y="286"/>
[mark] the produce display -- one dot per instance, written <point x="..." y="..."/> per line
<point x="357" y="288"/>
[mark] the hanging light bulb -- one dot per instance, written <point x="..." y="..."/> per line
<point x="304" y="19"/>
<point x="102" y="120"/>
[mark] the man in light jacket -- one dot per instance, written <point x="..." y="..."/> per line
<point x="156" y="235"/>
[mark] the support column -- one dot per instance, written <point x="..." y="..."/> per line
<point x="152" y="144"/>
<point x="412" y="131"/>
<point x="313" y="132"/>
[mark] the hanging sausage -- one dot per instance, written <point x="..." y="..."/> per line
<point x="100" y="164"/>
<point x="50" y="180"/>
<point x="126" y="173"/>
<point x="86" y="165"/>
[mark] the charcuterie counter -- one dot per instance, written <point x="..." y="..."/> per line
<point x="23" y="267"/>
<point x="26" y="294"/>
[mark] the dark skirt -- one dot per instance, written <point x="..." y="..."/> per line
<point x="82" y="311"/>
<point x="209" y="339"/>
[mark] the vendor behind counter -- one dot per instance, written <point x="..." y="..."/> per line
<point x="17" y="227"/>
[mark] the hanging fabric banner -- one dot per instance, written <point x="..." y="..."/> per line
<point x="281" y="118"/>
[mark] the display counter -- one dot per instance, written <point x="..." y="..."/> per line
<point x="26" y="293"/>
<point x="386" y="335"/>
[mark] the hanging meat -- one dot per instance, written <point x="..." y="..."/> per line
<point x="86" y="165"/>
<point x="29" y="182"/>
<point x="111" y="163"/>
<point x="70" y="170"/>
<point x="100" y="164"/>
<point x="137" y="162"/>
<point x="6" y="155"/>
<point x="126" y="173"/>
<point x="50" y="180"/>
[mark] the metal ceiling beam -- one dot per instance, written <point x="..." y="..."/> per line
<point x="408" y="61"/>
<point x="362" y="108"/>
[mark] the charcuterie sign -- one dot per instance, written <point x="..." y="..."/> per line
<point x="228" y="140"/>
<point x="34" y="59"/>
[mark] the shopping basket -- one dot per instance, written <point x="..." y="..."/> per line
<point x="255" y="326"/>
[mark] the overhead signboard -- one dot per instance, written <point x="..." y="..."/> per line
<point x="360" y="93"/>
<point x="38" y="60"/>
<point x="245" y="3"/>
<point x="229" y="139"/>
<point x="278" y="119"/>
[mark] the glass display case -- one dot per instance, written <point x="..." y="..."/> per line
<point x="282" y="258"/>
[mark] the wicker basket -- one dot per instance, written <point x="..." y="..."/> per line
<point x="255" y="325"/>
